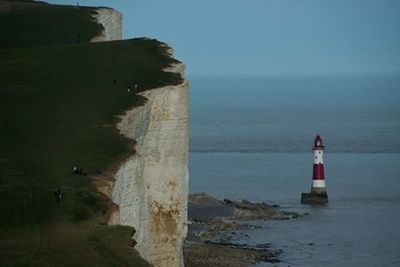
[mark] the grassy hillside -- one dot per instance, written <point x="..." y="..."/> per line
<point x="28" y="23"/>
<point x="58" y="107"/>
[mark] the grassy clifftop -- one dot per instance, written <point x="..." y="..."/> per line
<point x="58" y="105"/>
<point x="28" y="23"/>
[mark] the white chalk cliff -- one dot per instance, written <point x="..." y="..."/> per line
<point x="111" y="20"/>
<point x="151" y="186"/>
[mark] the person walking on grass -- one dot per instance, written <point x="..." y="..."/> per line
<point x="58" y="195"/>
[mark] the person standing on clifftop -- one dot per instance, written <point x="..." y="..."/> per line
<point x="75" y="170"/>
<point x="58" y="195"/>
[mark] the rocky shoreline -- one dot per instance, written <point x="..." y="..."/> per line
<point x="213" y="226"/>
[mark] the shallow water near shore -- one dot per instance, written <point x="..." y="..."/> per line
<point x="258" y="147"/>
<point x="358" y="227"/>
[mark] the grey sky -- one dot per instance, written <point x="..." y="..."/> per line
<point x="222" y="37"/>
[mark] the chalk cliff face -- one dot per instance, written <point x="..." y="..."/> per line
<point x="151" y="187"/>
<point x="111" y="20"/>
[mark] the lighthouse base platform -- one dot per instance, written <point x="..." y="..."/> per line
<point x="313" y="198"/>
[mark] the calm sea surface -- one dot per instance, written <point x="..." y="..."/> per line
<point x="251" y="138"/>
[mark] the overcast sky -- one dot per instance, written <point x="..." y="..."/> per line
<point x="222" y="37"/>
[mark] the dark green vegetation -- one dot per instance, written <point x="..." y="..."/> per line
<point x="26" y="23"/>
<point x="63" y="243"/>
<point x="58" y="107"/>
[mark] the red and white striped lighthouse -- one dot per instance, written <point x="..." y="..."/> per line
<point x="318" y="193"/>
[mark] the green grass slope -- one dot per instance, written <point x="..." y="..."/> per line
<point x="58" y="106"/>
<point x="27" y="23"/>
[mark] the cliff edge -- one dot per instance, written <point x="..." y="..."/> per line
<point x="74" y="89"/>
<point x="111" y="20"/>
<point x="151" y="186"/>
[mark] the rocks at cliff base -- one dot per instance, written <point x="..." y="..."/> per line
<point x="246" y="210"/>
<point x="204" y="208"/>
<point x="212" y="232"/>
<point x="221" y="255"/>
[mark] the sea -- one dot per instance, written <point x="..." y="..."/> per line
<point x="251" y="138"/>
